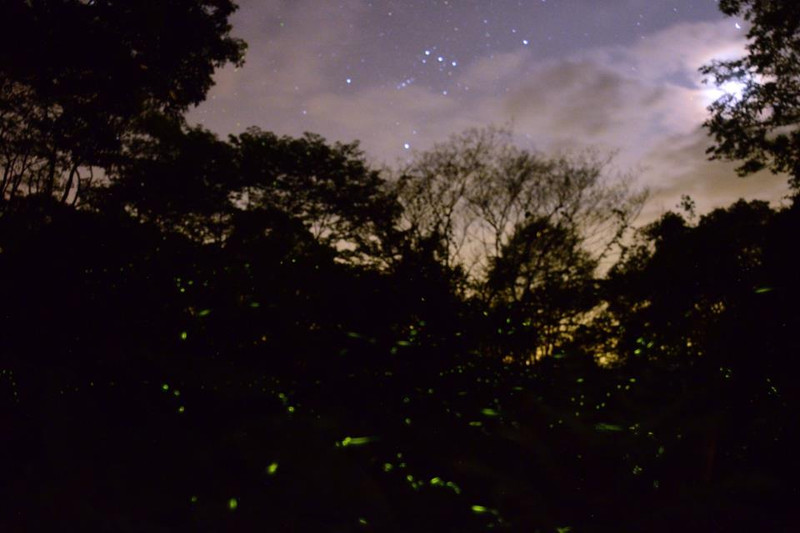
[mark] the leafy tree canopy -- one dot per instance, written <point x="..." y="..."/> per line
<point x="186" y="179"/>
<point x="76" y="75"/>
<point x="681" y="281"/>
<point x="760" y="126"/>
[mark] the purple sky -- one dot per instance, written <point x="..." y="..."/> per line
<point x="617" y="75"/>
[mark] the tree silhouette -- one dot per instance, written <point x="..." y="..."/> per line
<point x="543" y="279"/>
<point x="759" y="127"/>
<point x="680" y="291"/>
<point x="76" y="77"/>
<point x="257" y="183"/>
<point x="516" y="223"/>
<point x="176" y="177"/>
<point x="474" y="191"/>
<point x="329" y="189"/>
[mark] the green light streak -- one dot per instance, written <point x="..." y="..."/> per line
<point x="355" y="441"/>
<point x="601" y="426"/>
<point x="452" y="486"/>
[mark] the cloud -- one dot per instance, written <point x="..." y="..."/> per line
<point x="644" y="101"/>
<point x="383" y="120"/>
<point x="289" y="48"/>
<point x="580" y="99"/>
<point x="496" y="68"/>
<point x="677" y="51"/>
<point x="679" y="165"/>
<point x="627" y="97"/>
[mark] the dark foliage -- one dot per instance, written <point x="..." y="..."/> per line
<point x="77" y="77"/>
<point x="760" y="127"/>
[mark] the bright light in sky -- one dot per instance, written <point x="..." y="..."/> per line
<point x="733" y="88"/>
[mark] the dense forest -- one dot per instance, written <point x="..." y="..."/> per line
<point x="207" y="334"/>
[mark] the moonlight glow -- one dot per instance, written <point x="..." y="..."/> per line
<point x="734" y="89"/>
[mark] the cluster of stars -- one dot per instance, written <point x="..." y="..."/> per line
<point x="427" y="54"/>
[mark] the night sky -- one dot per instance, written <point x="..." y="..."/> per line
<point x="616" y="75"/>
